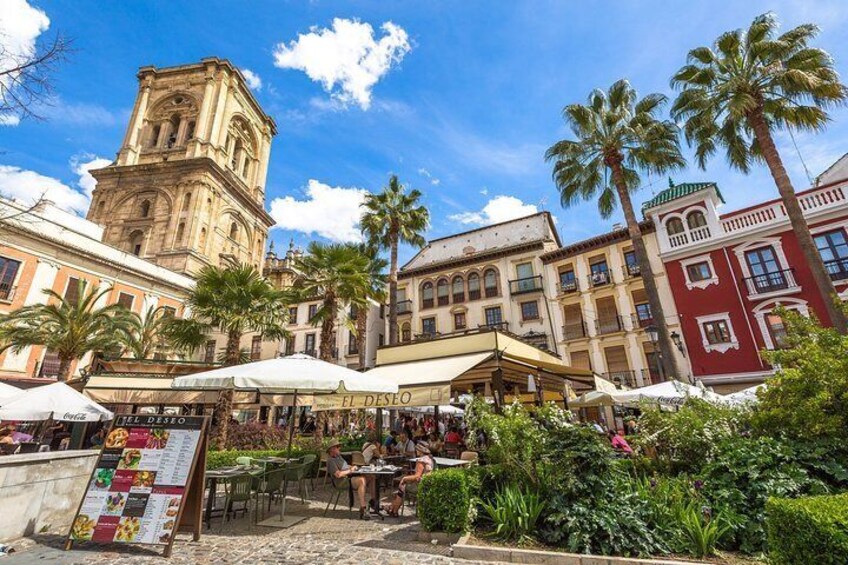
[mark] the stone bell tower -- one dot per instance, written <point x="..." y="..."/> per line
<point x="188" y="186"/>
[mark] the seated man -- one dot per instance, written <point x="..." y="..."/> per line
<point x="405" y="445"/>
<point x="390" y="443"/>
<point x="338" y="468"/>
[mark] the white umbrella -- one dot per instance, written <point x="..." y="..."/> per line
<point x="668" y="393"/>
<point x="8" y="391"/>
<point x="55" y="401"/>
<point x="745" y="396"/>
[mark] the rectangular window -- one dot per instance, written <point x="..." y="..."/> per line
<point x="777" y="330"/>
<point x="717" y="332"/>
<point x="599" y="273"/>
<point x="493" y="316"/>
<point x="293" y="316"/>
<point x="209" y="354"/>
<point x="313" y="309"/>
<point x="833" y="249"/>
<point x="643" y="315"/>
<point x="256" y="348"/>
<point x="567" y="281"/>
<point x="442" y="293"/>
<point x="290" y="345"/>
<point x="126" y="300"/>
<point x="530" y="310"/>
<point x="49" y="365"/>
<point x="309" y="349"/>
<point x="524" y="273"/>
<point x="473" y="286"/>
<point x="72" y="290"/>
<point x="631" y="265"/>
<point x="405" y="332"/>
<point x="169" y="311"/>
<point x="428" y="326"/>
<point x="699" y="271"/>
<point x="766" y="274"/>
<point x="381" y="340"/>
<point x="352" y="344"/>
<point x="459" y="321"/>
<point x="8" y="272"/>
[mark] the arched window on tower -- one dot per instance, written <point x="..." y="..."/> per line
<point x="136" y="242"/>
<point x="234" y="231"/>
<point x="180" y="233"/>
<point x="186" y="201"/>
<point x="245" y="169"/>
<point x="674" y="226"/>
<point x="234" y="160"/>
<point x="190" y="131"/>
<point x="144" y="211"/>
<point x="696" y="219"/>
<point x="202" y="238"/>
<point x="154" y="136"/>
<point x="101" y="206"/>
<point x="173" y="131"/>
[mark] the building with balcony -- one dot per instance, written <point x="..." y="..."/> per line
<point x="490" y="277"/>
<point x="601" y="310"/>
<point x="306" y="337"/>
<point x="729" y="271"/>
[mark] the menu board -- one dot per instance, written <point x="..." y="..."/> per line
<point x="139" y="485"/>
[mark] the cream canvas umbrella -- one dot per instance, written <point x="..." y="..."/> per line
<point x="55" y="401"/>
<point x="7" y="392"/>
<point x="668" y="393"/>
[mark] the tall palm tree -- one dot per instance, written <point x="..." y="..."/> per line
<point x="748" y="85"/>
<point x="234" y="301"/>
<point x="376" y="291"/>
<point x="148" y="333"/>
<point x="338" y="275"/>
<point x="390" y="218"/>
<point x="617" y="136"/>
<point x="70" y="327"/>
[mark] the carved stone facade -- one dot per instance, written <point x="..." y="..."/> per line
<point x="188" y="186"/>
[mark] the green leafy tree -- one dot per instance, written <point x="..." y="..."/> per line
<point x="147" y="334"/>
<point x="749" y="85"/>
<point x="376" y="291"/>
<point x="617" y="137"/>
<point x="234" y="301"/>
<point x="69" y="327"/>
<point x="390" y="218"/>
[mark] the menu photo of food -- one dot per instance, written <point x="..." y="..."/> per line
<point x="130" y="459"/>
<point x="157" y="439"/>
<point x="117" y="438"/>
<point x="102" y="479"/>
<point x="115" y="503"/>
<point x="82" y="528"/>
<point x="143" y="479"/>
<point x="128" y="529"/>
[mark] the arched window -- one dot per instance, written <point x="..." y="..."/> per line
<point x="427" y="295"/>
<point x="696" y="219"/>
<point x="154" y="136"/>
<point x="145" y="208"/>
<point x="442" y="292"/>
<point x="490" y="282"/>
<point x="458" y="289"/>
<point x="406" y="332"/>
<point x="234" y="231"/>
<point x="100" y="207"/>
<point x="190" y="130"/>
<point x="245" y="169"/>
<point x="674" y="226"/>
<point x="136" y="242"/>
<point x="473" y="286"/>
<point x="234" y="160"/>
<point x="202" y="238"/>
<point x="173" y="131"/>
<point x="180" y="233"/>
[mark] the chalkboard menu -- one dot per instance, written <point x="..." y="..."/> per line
<point x="143" y="481"/>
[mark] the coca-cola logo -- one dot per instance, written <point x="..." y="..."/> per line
<point x="78" y="417"/>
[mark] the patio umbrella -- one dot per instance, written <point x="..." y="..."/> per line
<point x="668" y="393"/>
<point x="55" y="401"/>
<point x="8" y="391"/>
<point x="745" y="396"/>
<point x="295" y="374"/>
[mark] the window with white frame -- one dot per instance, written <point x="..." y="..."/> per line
<point x="717" y="332"/>
<point x="699" y="272"/>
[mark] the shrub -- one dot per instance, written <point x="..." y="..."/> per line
<point x="808" y="530"/>
<point x="217" y="459"/>
<point x="514" y="513"/>
<point x="255" y="435"/>
<point x="701" y="529"/>
<point x="444" y="501"/>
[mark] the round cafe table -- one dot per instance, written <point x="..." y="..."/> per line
<point x="378" y="472"/>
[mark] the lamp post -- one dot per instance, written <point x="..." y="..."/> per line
<point x="675" y="337"/>
<point x="654" y="336"/>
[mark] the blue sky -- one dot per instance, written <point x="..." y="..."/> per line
<point x="464" y="110"/>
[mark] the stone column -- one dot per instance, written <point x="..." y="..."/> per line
<point x="132" y="141"/>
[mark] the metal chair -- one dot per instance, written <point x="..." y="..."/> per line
<point x="452" y="449"/>
<point x="357" y="459"/>
<point x="239" y="489"/>
<point x="472" y="456"/>
<point x="340" y="486"/>
<point x="297" y="473"/>
<point x="270" y="483"/>
<point x="245" y="461"/>
<point x="322" y="466"/>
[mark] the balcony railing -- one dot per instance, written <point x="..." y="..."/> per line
<point x="837" y="269"/>
<point x="632" y="270"/>
<point x="575" y="330"/>
<point x="641" y="322"/>
<point x="650" y="376"/>
<point x="609" y="325"/>
<point x="404" y="307"/>
<point x="600" y="278"/>
<point x="566" y="287"/>
<point x="7" y="292"/>
<point x="525" y="285"/>
<point x="625" y="378"/>
<point x="502" y="326"/>
<point x="771" y="282"/>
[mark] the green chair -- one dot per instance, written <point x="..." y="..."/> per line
<point x="297" y="473"/>
<point x="244" y="461"/>
<point x="270" y="484"/>
<point x="340" y="486"/>
<point x="239" y="490"/>
<point x="309" y="461"/>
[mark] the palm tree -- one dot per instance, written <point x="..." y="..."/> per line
<point x="617" y="136"/>
<point x="148" y="334"/>
<point x="68" y="327"/>
<point x="390" y="218"/>
<point x="376" y="291"/>
<point x="234" y="301"/>
<point x="339" y="275"/>
<point x="750" y="84"/>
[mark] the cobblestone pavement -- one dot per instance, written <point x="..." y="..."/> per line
<point x="339" y="538"/>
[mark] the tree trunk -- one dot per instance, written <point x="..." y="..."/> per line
<point x="64" y="373"/>
<point x="669" y="359"/>
<point x="393" y="284"/>
<point x="224" y="403"/>
<point x="361" y="331"/>
<point x="796" y="219"/>
<point x="325" y="353"/>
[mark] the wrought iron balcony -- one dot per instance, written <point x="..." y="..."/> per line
<point x="650" y="376"/>
<point x="641" y="322"/>
<point x="609" y="325"/>
<point x="771" y="282"/>
<point x="599" y="278"/>
<point x="574" y="330"/>
<point x="566" y="287"/>
<point x="404" y="307"/>
<point x="625" y="378"/>
<point x="632" y="270"/>
<point x="501" y="326"/>
<point x="7" y="292"/>
<point x="525" y="285"/>
<point x="837" y="269"/>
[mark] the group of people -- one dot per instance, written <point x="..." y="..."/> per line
<point x="55" y="436"/>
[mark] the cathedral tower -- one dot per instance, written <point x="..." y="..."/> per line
<point x="188" y="186"/>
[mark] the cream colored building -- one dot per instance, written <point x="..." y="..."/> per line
<point x="188" y="186"/>
<point x="601" y="308"/>
<point x="488" y="277"/>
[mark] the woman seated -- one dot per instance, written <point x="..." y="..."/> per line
<point x="453" y="436"/>
<point x="434" y="443"/>
<point x="619" y="444"/>
<point x="371" y="449"/>
<point x="423" y="465"/>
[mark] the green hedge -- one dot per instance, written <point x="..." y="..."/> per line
<point x="444" y="501"/>
<point x="808" y="530"/>
<point x="217" y="459"/>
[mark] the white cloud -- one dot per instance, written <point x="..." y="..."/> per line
<point x="425" y="173"/>
<point x="252" y="79"/>
<point x="20" y="26"/>
<point x="28" y="186"/>
<point x="498" y="209"/>
<point x="485" y="192"/>
<point x="345" y="59"/>
<point x="80" y="113"/>
<point x="330" y="212"/>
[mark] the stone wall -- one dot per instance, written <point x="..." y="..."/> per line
<point x="41" y="491"/>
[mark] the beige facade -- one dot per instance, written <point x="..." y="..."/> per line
<point x="188" y="186"/>
<point x="488" y="277"/>
<point x="602" y="309"/>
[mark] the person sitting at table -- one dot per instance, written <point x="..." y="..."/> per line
<point x="619" y="443"/>
<point x="423" y="465"/>
<point x="434" y="443"/>
<point x="338" y="468"/>
<point x="6" y="435"/>
<point x="390" y="443"/>
<point x="453" y="436"/>
<point x="371" y="449"/>
<point x="405" y="445"/>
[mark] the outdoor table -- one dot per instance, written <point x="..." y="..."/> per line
<point x="378" y="471"/>
<point x="446" y="462"/>
<point x="222" y="474"/>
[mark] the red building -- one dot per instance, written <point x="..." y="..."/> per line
<point x="728" y="272"/>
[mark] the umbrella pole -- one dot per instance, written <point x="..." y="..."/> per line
<point x="288" y="456"/>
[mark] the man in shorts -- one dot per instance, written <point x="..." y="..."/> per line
<point x="338" y="468"/>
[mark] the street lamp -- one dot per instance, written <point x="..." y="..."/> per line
<point x="675" y="337"/>
<point x="654" y="336"/>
